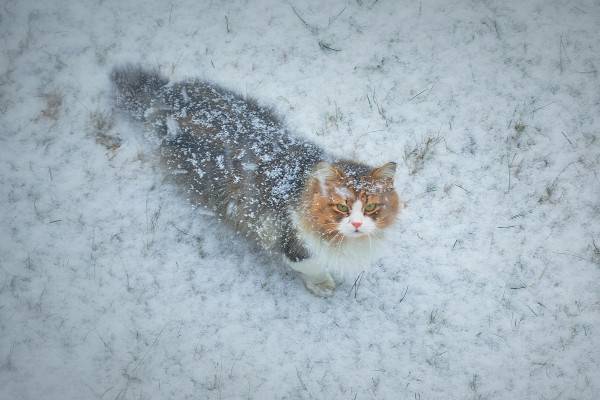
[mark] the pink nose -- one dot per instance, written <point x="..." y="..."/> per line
<point x="356" y="224"/>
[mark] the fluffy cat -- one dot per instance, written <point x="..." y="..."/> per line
<point x="283" y="192"/>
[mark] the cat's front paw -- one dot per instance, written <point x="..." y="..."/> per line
<point x="324" y="287"/>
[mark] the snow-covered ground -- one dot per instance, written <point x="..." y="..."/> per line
<point x="113" y="287"/>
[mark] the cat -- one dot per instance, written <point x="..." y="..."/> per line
<point x="281" y="191"/>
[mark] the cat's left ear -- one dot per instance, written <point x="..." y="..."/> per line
<point x="386" y="171"/>
<point x="323" y="172"/>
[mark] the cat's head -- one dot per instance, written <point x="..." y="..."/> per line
<point x="348" y="200"/>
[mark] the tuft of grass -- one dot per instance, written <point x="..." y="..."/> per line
<point x="373" y="101"/>
<point x="101" y="124"/>
<point x="474" y="383"/>
<point x="332" y="120"/>
<point x="520" y="127"/>
<point x="551" y="193"/>
<point x="54" y="101"/>
<point x="435" y="321"/>
<point x="335" y="118"/>
<point x="519" y="138"/>
<point x="415" y="156"/>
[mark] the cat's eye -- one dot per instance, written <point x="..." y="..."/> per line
<point x="370" y="207"/>
<point x="342" y="207"/>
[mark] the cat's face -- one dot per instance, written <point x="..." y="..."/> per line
<point x="347" y="200"/>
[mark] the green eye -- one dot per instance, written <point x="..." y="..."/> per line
<point x="370" y="207"/>
<point x="342" y="207"/>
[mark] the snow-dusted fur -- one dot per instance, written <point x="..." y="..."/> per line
<point x="112" y="287"/>
<point x="237" y="158"/>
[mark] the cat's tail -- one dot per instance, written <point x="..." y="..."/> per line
<point x="136" y="90"/>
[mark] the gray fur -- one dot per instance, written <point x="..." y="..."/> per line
<point x="232" y="155"/>
<point x="136" y="89"/>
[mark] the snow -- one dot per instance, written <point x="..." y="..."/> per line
<point x="113" y="287"/>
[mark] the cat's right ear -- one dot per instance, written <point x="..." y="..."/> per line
<point x="385" y="174"/>
<point x="322" y="172"/>
<point x="386" y="171"/>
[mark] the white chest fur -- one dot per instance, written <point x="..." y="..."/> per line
<point x="347" y="258"/>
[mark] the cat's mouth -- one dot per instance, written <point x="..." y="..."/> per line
<point x="356" y="234"/>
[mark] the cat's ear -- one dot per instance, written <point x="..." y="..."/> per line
<point x="323" y="172"/>
<point x="386" y="171"/>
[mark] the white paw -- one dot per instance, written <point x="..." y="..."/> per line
<point x="323" y="287"/>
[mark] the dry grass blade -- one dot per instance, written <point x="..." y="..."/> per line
<point x="415" y="157"/>
<point x="312" y="29"/>
<point x="326" y="46"/>
<point x="356" y="284"/>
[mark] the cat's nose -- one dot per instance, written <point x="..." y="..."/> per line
<point x="356" y="224"/>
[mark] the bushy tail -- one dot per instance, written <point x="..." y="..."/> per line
<point x="136" y="89"/>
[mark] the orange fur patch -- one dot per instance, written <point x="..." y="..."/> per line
<point x="320" y="214"/>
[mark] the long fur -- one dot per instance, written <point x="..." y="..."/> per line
<point x="136" y="89"/>
<point x="238" y="159"/>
